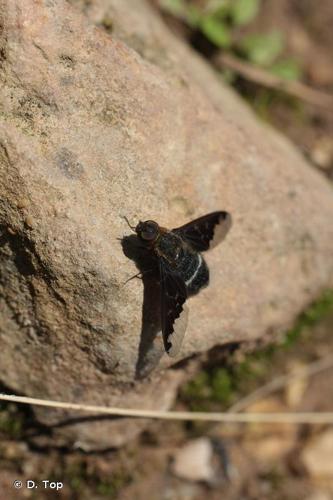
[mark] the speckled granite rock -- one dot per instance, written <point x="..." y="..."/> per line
<point x="90" y="130"/>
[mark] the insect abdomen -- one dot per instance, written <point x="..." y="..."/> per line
<point x="194" y="271"/>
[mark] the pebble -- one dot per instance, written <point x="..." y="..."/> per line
<point x="194" y="461"/>
<point x="317" y="455"/>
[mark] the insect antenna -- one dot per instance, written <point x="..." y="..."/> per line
<point x="129" y="225"/>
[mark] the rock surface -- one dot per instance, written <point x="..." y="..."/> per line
<point x="194" y="461"/>
<point x="94" y="126"/>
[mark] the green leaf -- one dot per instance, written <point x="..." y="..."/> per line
<point x="216" y="31"/>
<point x="287" y="69"/>
<point x="244" y="11"/>
<point x="263" y="49"/>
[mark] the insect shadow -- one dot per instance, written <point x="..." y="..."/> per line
<point x="151" y="346"/>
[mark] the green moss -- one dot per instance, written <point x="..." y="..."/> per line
<point x="111" y="488"/>
<point x="222" y="386"/>
<point x="81" y="478"/>
<point x="313" y="315"/>
<point x="274" y="477"/>
<point x="216" y="385"/>
<point x="107" y="23"/>
<point x="105" y="488"/>
<point x="10" y="421"/>
<point x="197" y="391"/>
<point x="264" y="101"/>
<point x="76" y="476"/>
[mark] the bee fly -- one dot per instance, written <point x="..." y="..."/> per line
<point x="183" y="270"/>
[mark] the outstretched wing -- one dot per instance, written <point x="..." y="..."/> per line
<point x="173" y="311"/>
<point x="207" y="231"/>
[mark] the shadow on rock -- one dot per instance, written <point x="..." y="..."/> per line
<point x="151" y="345"/>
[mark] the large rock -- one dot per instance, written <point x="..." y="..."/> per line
<point x="92" y="130"/>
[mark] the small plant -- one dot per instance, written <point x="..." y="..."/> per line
<point x="221" y="22"/>
<point x="220" y="387"/>
<point x="316" y="312"/>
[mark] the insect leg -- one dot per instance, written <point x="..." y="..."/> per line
<point x="139" y="275"/>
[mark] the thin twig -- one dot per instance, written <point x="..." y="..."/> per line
<point x="263" y="77"/>
<point x="264" y="418"/>
<point x="280" y="382"/>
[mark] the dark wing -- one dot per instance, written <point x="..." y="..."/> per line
<point x="205" y="232"/>
<point x="173" y="311"/>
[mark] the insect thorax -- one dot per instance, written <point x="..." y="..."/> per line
<point x="169" y="246"/>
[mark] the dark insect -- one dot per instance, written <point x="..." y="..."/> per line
<point x="183" y="270"/>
